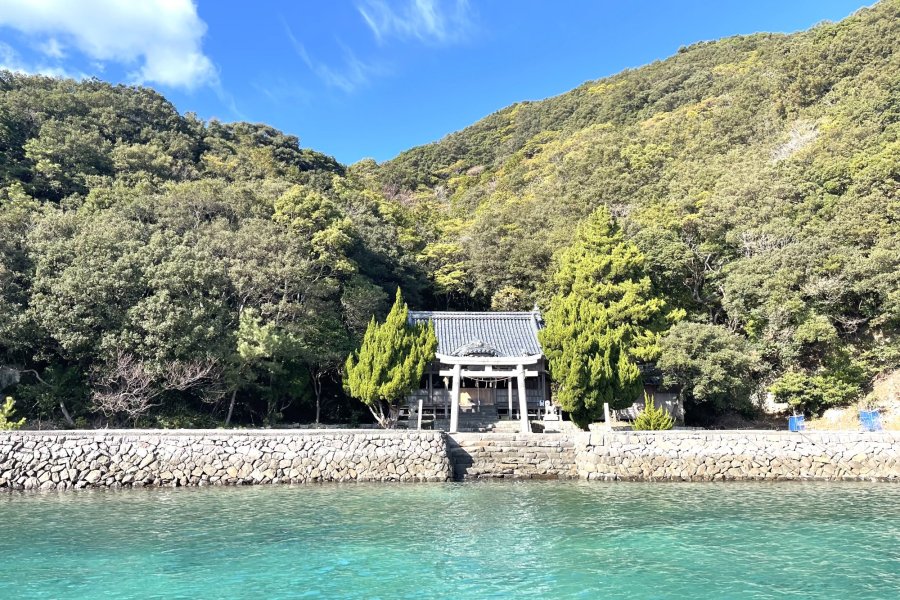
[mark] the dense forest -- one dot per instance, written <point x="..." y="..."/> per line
<point x="162" y="270"/>
<point x="156" y="267"/>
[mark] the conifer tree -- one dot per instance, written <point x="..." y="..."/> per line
<point x="652" y="418"/>
<point x="601" y="321"/>
<point x="389" y="363"/>
<point x="6" y="415"/>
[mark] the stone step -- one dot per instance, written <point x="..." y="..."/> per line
<point x="481" y="419"/>
<point x="480" y="425"/>
<point x="495" y="446"/>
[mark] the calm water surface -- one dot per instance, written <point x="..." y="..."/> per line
<point x="468" y="540"/>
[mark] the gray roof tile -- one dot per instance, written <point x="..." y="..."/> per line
<point x="508" y="333"/>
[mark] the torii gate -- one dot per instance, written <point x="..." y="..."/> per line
<point x="514" y="367"/>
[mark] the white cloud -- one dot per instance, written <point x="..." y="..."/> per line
<point x="12" y="61"/>
<point x="9" y="58"/>
<point x="160" y="39"/>
<point x="52" y="48"/>
<point x="353" y="74"/>
<point x="430" y="21"/>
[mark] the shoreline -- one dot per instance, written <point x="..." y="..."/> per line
<point x="76" y="459"/>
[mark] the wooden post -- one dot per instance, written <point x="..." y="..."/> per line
<point x="419" y="425"/>
<point x="606" y="422"/>
<point x="509" y="390"/>
<point x="523" y="401"/>
<point x="454" y="399"/>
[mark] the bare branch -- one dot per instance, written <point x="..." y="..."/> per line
<point x="182" y="376"/>
<point x="125" y="387"/>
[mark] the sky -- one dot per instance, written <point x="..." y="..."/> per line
<point x="370" y="78"/>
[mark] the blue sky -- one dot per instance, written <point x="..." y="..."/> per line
<point x="370" y="78"/>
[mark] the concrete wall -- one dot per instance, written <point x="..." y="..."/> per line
<point x="78" y="459"/>
<point x="738" y="455"/>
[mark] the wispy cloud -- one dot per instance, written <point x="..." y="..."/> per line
<point x="11" y="60"/>
<point x="52" y="48"/>
<point x="282" y="91"/>
<point x="228" y="101"/>
<point x="352" y="74"/>
<point x="429" y="21"/>
<point x="160" y="39"/>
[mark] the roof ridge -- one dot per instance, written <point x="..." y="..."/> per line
<point x="483" y="313"/>
<point x="512" y="333"/>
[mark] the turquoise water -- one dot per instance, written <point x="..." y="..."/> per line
<point x="467" y="540"/>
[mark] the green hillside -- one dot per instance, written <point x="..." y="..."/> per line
<point x="154" y="264"/>
<point x="215" y="269"/>
<point x="759" y="174"/>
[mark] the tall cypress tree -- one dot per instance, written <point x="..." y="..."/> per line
<point x="601" y="321"/>
<point x="389" y="363"/>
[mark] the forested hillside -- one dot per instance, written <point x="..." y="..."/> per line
<point x="759" y="175"/>
<point x="153" y="264"/>
<point x="158" y="269"/>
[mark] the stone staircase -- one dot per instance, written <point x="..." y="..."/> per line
<point x="480" y="419"/>
<point x="506" y="455"/>
<point x="507" y="426"/>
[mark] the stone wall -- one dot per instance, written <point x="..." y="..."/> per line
<point x="78" y="459"/>
<point x="738" y="455"/>
<point x="512" y="455"/>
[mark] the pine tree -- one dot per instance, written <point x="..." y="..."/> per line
<point x="389" y="363"/>
<point x="601" y="321"/>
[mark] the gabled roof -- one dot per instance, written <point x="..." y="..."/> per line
<point x="504" y="334"/>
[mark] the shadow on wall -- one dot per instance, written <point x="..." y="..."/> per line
<point x="461" y="461"/>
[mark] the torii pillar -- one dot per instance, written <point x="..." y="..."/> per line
<point x="454" y="398"/>
<point x="523" y="401"/>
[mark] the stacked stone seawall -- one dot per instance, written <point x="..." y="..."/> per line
<point x="738" y="455"/>
<point x="513" y="456"/>
<point x="79" y="459"/>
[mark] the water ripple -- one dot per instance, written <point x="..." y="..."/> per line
<point x="470" y="540"/>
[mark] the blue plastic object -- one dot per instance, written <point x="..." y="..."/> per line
<point x="797" y="423"/>
<point x="870" y="420"/>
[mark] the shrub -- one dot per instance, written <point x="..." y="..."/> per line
<point x="714" y="368"/>
<point x="814" y="393"/>
<point x="652" y="418"/>
<point x="6" y="412"/>
<point x="179" y="417"/>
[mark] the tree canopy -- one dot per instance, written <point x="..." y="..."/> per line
<point x="390" y="362"/>
<point x="757" y="174"/>
<point x="602" y="320"/>
<point x="222" y="268"/>
<point x="158" y="269"/>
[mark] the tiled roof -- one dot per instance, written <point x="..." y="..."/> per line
<point x="505" y="334"/>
